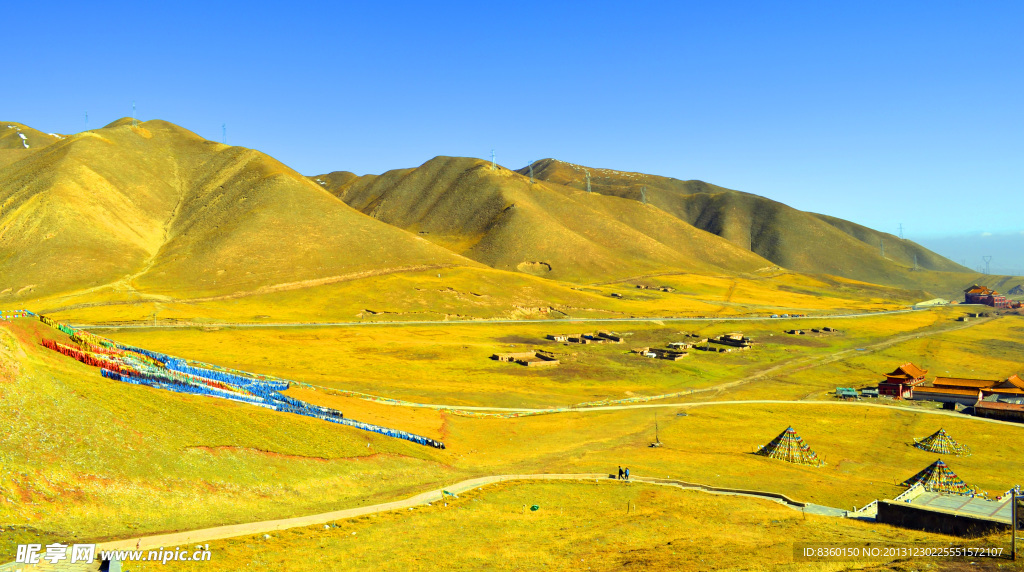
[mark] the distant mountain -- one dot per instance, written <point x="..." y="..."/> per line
<point x="497" y="217"/>
<point x="798" y="240"/>
<point x="156" y="209"/>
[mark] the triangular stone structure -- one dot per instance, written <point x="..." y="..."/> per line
<point x="789" y="447"/>
<point x="940" y="442"/>
<point x="938" y="477"/>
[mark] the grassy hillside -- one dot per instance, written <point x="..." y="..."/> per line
<point x="158" y="221"/>
<point x="156" y="210"/>
<point x="498" y="218"/>
<point x="87" y="457"/>
<point x="18" y="141"/>
<point x="801" y="241"/>
<point x="17" y="136"/>
<point x="159" y="461"/>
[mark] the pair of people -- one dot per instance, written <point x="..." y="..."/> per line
<point x="623" y="475"/>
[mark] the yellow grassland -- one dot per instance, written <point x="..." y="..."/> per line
<point x="461" y="293"/>
<point x="449" y="363"/>
<point x="578" y="526"/>
<point x="93" y="458"/>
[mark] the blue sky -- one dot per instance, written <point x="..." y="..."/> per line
<point x="881" y="113"/>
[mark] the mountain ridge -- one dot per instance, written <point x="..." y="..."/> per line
<point x="498" y="218"/>
<point x="798" y="240"/>
<point x="144" y="210"/>
<point x="157" y="208"/>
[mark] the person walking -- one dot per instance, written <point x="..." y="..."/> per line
<point x="620" y="472"/>
<point x="627" y="473"/>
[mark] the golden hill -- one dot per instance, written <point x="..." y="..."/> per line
<point x="17" y="136"/>
<point x="155" y="215"/>
<point x="18" y="141"/>
<point x="798" y="240"/>
<point x="547" y="229"/>
<point x="156" y="209"/>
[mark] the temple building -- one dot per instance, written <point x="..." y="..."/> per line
<point x="982" y="295"/>
<point x="901" y="382"/>
<point x="967" y="391"/>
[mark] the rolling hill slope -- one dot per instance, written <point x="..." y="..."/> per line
<point x="155" y="213"/>
<point x="798" y="240"/>
<point x="18" y="141"/>
<point x="157" y="210"/>
<point x="17" y="136"/>
<point x="498" y="218"/>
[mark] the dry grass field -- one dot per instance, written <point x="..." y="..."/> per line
<point x="449" y="363"/>
<point x="578" y="526"/>
<point x="91" y="458"/>
<point x="460" y="293"/>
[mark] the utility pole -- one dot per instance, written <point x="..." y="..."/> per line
<point x="1016" y="518"/>
<point x="531" y="172"/>
<point x="987" y="260"/>
<point x="86" y="120"/>
<point x="135" y="122"/>
<point x="588" y="181"/>
<point x="224" y="133"/>
<point x="492" y="159"/>
<point x="881" y="246"/>
<point x="643" y="194"/>
<point x="901" y="231"/>
<point x="915" y="261"/>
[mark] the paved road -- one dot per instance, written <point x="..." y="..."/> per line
<point x="102" y="326"/>
<point x="268" y="526"/>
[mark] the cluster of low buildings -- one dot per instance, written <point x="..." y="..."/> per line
<point x="725" y="343"/>
<point x="672" y="354"/>
<point x="529" y="359"/>
<point x="661" y="288"/>
<point x="722" y="344"/>
<point x="824" y="330"/>
<point x="1000" y="399"/>
<point x="601" y="337"/>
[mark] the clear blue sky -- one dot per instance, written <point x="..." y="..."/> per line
<point x="882" y="113"/>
